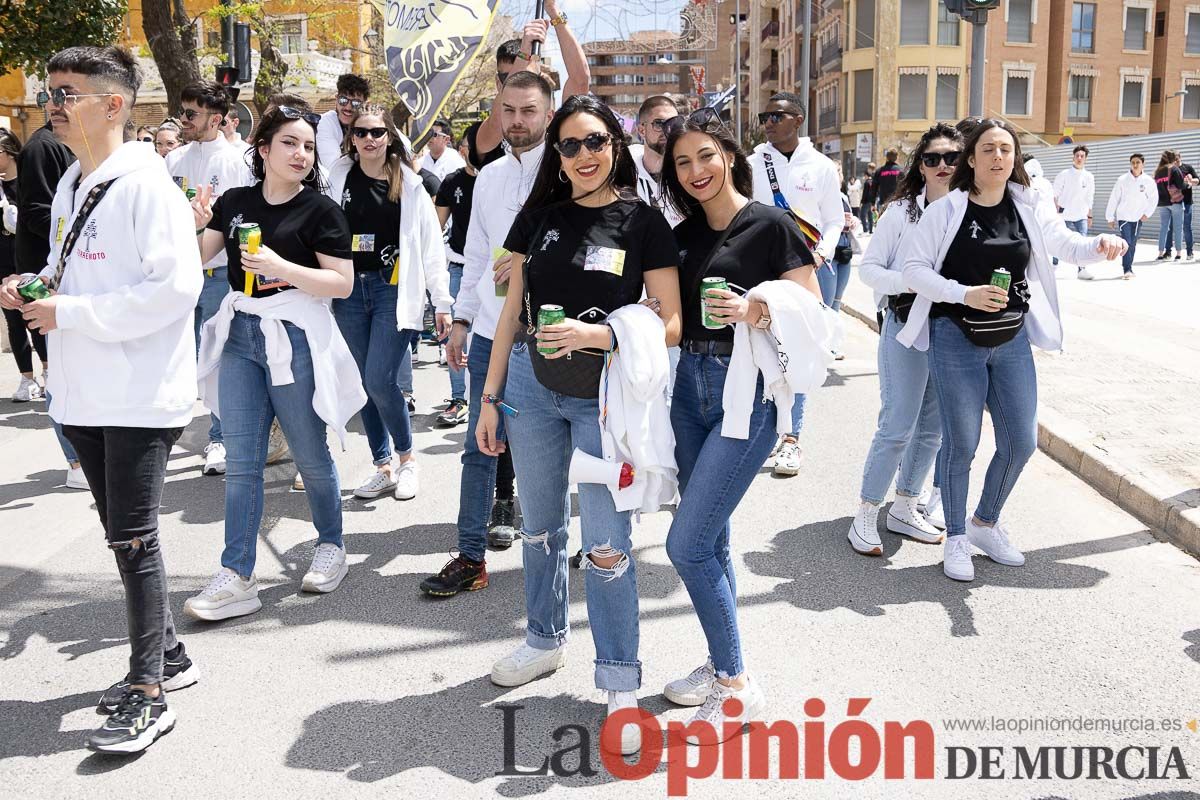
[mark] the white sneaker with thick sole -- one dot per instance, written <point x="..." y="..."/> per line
<point x="904" y="518"/>
<point x="76" y="479"/>
<point x="378" y="484"/>
<point x="694" y="689"/>
<point x="226" y="596"/>
<point x="526" y="663"/>
<point x="214" y="458"/>
<point x="631" y="733"/>
<point x="864" y="530"/>
<point x="787" y="460"/>
<point x="1085" y="274"/>
<point x="956" y="559"/>
<point x="713" y="710"/>
<point x="327" y="569"/>
<point x="407" y="481"/>
<point x="934" y="511"/>
<point x="27" y="391"/>
<point x="994" y="542"/>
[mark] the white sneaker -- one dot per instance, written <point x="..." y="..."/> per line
<point x="406" y="480"/>
<point x="934" y="511"/>
<point x="327" y="570"/>
<point x="631" y="734"/>
<point x="787" y="460"/>
<point x="380" y="483"/>
<point x="956" y="559"/>
<point x="298" y="483"/>
<point x="226" y="596"/>
<point x="526" y="663"/>
<point x="923" y="499"/>
<point x="695" y="688"/>
<point x="904" y="518"/>
<point x="76" y="479"/>
<point x="214" y="458"/>
<point x="27" y="391"/>
<point x="277" y="446"/>
<point x="1085" y="274"/>
<point x="713" y="711"/>
<point x="994" y="542"/>
<point x="864" y="530"/>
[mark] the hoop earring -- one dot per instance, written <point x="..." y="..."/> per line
<point x="562" y="176"/>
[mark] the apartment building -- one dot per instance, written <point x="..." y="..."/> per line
<point x="1176" y="66"/>
<point x="626" y="72"/>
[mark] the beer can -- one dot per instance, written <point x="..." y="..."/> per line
<point x="549" y="315"/>
<point x="1002" y="279"/>
<point x="191" y="193"/>
<point x="250" y="235"/>
<point x="705" y="285"/>
<point x="31" y="288"/>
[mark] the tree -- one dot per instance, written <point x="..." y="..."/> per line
<point x="34" y="30"/>
<point x="171" y="35"/>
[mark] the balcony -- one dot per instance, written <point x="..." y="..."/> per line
<point x="771" y="3"/>
<point x="770" y="34"/>
<point x="770" y="78"/>
<point x="831" y="54"/>
<point x="827" y="120"/>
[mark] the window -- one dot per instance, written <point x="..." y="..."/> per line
<point x="1156" y="90"/>
<point x="1020" y="21"/>
<point x="1135" y="28"/>
<point x="1016" y="95"/>
<point x="914" y="21"/>
<point x="627" y="61"/>
<point x="1191" y="102"/>
<point x="1160" y="24"/>
<point x="864" y="95"/>
<point x="913" y="89"/>
<point x="1191" y="45"/>
<point x="291" y="35"/>
<point x="1079" y="98"/>
<point x="1083" y="28"/>
<point x="1131" y="99"/>
<point x="946" y="97"/>
<point x="864" y="24"/>
<point x="947" y="27"/>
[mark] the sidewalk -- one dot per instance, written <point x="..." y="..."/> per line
<point x="1119" y="405"/>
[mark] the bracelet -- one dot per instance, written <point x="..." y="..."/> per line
<point x="612" y="338"/>
<point x="560" y="19"/>
<point x="490" y="399"/>
<point x="523" y="56"/>
<point x="463" y="322"/>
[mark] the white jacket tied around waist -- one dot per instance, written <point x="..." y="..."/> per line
<point x="635" y="421"/>
<point x="793" y="355"/>
<point x="420" y="255"/>
<point x="339" y="393"/>
<point x="123" y="351"/>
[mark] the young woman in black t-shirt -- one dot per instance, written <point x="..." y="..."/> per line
<point x="708" y="180"/>
<point x="277" y="292"/>
<point x="1168" y="176"/>
<point x="583" y="241"/>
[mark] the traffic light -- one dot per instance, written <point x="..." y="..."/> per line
<point x="227" y="76"/>
<point x="980" y="5"/>
<point x="971" y="10"/>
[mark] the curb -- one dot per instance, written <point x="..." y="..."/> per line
<point x="1169" y="519"/>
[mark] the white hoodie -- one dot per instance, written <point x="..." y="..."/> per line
<point x="810" y="185"/>
<point x="650" y="188"/>
<point x="217" y="164"/>
<point x="1039" y="183"/>
<point x="1075" y="193"/>
<point x="123" y="352"/>
<point x="421" y="255"/>
<point x="1132" y="198"/>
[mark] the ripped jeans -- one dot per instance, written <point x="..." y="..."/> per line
<point x="544" y="434"/>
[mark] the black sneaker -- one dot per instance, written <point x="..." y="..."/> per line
<point x="135" y="725"/>
<point x="411" y="402"/>
<point x="460" y="574"/>
<point x="178" y="673"/>
<point x="577" y="560"/>
<point x="502" y="529"/>
<point x="455" y="414"/>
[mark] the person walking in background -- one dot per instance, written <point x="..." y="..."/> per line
<point x="1168" y="177"/>
<point x="854" y="193"/>
<point x="1190" y="180"/>
<point x="441" y="158"/>
<point x="1131" y="202"/>
<point x="352" y="92"/>
<point x="887" y="178"/>
<point x="453" y="204"/>
<point x="870" y="193"/>
<point x="167" y="137"/>
<point x="22" y="341"/>
<point x="1075" y="194"/>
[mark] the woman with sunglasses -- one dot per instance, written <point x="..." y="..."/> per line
<point x="979" y="262"/>
<point x="276" y="351"/>
<point x="585" y="242"/>
<point x="910" y="430"/>
<point x="145" y="134"/>
<point x="166" y="137"/>
<point x="709" y="181"/>
<point x="398" y="256"/>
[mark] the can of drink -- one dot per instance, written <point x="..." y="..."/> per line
<point x="250" y="235"/>
<point x="191" y="193"/>
<point x="1001" y="278"/>
<point x="549" y="315"/>
<point x="31" y="288"/>
<point x="705" y="285"/>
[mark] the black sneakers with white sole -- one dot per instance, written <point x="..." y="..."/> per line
<point x="136" y="724"/>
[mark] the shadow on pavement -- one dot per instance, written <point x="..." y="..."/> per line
<point x="32" y="728"/>
<point x="1193" y="652"/>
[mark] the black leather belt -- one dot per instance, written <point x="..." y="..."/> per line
<point x="700" y="347"/>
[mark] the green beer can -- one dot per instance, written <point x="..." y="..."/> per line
<point x="549" y="315"/>
<point x="705" y="285"/>
<point x="191" y="193"/>
<point x="31" y="288"/>
<point x="1001" y="278"/>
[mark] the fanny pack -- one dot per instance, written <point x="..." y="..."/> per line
<point x="991" y="330"/>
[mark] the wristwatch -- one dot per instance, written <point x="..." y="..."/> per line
<point x="764" y="321"/>
<point x="561" y="19"/>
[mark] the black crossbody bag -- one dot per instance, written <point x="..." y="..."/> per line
<point x="85" y="211"/>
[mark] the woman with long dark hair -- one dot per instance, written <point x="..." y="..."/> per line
<point x="910" y="429"/>
<point x="583" y="242"/>
<point x="276" y="350"/>
<point x="22" y="340"/>
<point x="397" y="246"/>
<point x="724" y="234"/>
<point x="1168" y="177"/>
<point x="979" y="262"/>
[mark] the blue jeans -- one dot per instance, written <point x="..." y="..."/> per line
<point x="714" y="474"/>
<point x="833" y="278"/>
<point x="1187" y="227"/>
<point x="215" y="287"/>
<point x="910" y="428"/>
<point x="458" y="377"/>
<point x="968" y="378"/>
<point x="866" y="214"/>
<point x="249" y="402"/>
<point x="544" y="435"/>
<point x="63" y="442"/>
<point x="478" y="482"/>
<point x="1170" y="224"/>
<point x="1077" y="225"/>
<point x="1129" y="232"/>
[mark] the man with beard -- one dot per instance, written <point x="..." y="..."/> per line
<point x="524" y="111"/>
<point x="654" y="118"/>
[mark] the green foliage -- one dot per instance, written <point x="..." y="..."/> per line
<point x="31" y="31"/>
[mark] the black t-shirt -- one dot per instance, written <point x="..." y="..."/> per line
<point x="1172" y="176"/>
<point x="764" y="243"/>
<point x="373" y="219"/>
<point x="590" y="261"/>
<point x="989" y="238"/>
<point x="480" y="160"/>
<point x="8" y="260"/>
<point x="297" y="230"/>
<point x="456" y="193"/>
<point x="886" y="179"/>
<point x="1190" y="172"/>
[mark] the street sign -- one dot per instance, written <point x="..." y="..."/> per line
<point x="864" y="147"/>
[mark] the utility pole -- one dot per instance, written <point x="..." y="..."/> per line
<point x="737" y="69"/>
<point x="976" y="13"/>
<point x="806" y="58"/>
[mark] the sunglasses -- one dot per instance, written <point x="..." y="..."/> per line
<point x="595" y="142"/>
<point x="147" y="139"/>
<point x="774" y="117"/>
<point x="294" y="113"/>
<point x="702" y="118"/>
<point x="190" y="113"/>
<point x="663" y="124"/>
<point x="374" y="133"/>
<point x="60" y="98"/>
<point x="347" y="101"/>
<point x="949" y="159"/>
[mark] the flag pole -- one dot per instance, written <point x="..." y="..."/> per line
<point x="539" y="11"/>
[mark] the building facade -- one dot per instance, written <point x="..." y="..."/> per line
<point x="626" y="72"/>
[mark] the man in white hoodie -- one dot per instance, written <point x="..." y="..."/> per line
<point x="1134" y="198"/>
<point x="654" y="118"/>
<point x="806" y="182"/>
<point x="126" y="269"/>
<point x="441" y="158"/>
<point x="1075" y="193"/>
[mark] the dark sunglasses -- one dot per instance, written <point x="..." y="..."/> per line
<point x="190" y="113"/>
<point x="702" y="118"/>
<point x="775" y="117"/>
<point x="374" y="133"/>
<point x="595" y="142"/>
<point x="294" y="113"/>
<point x="931" y="159"/>
<point x="346" y="101"/>
<point x="663" y="124"/>
<point x="148" y="139"/>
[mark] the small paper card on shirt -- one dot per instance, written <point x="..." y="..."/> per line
<point x="362" y="243"/>
<point x="604" y="259"/>
<point x="270" y="282"/>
